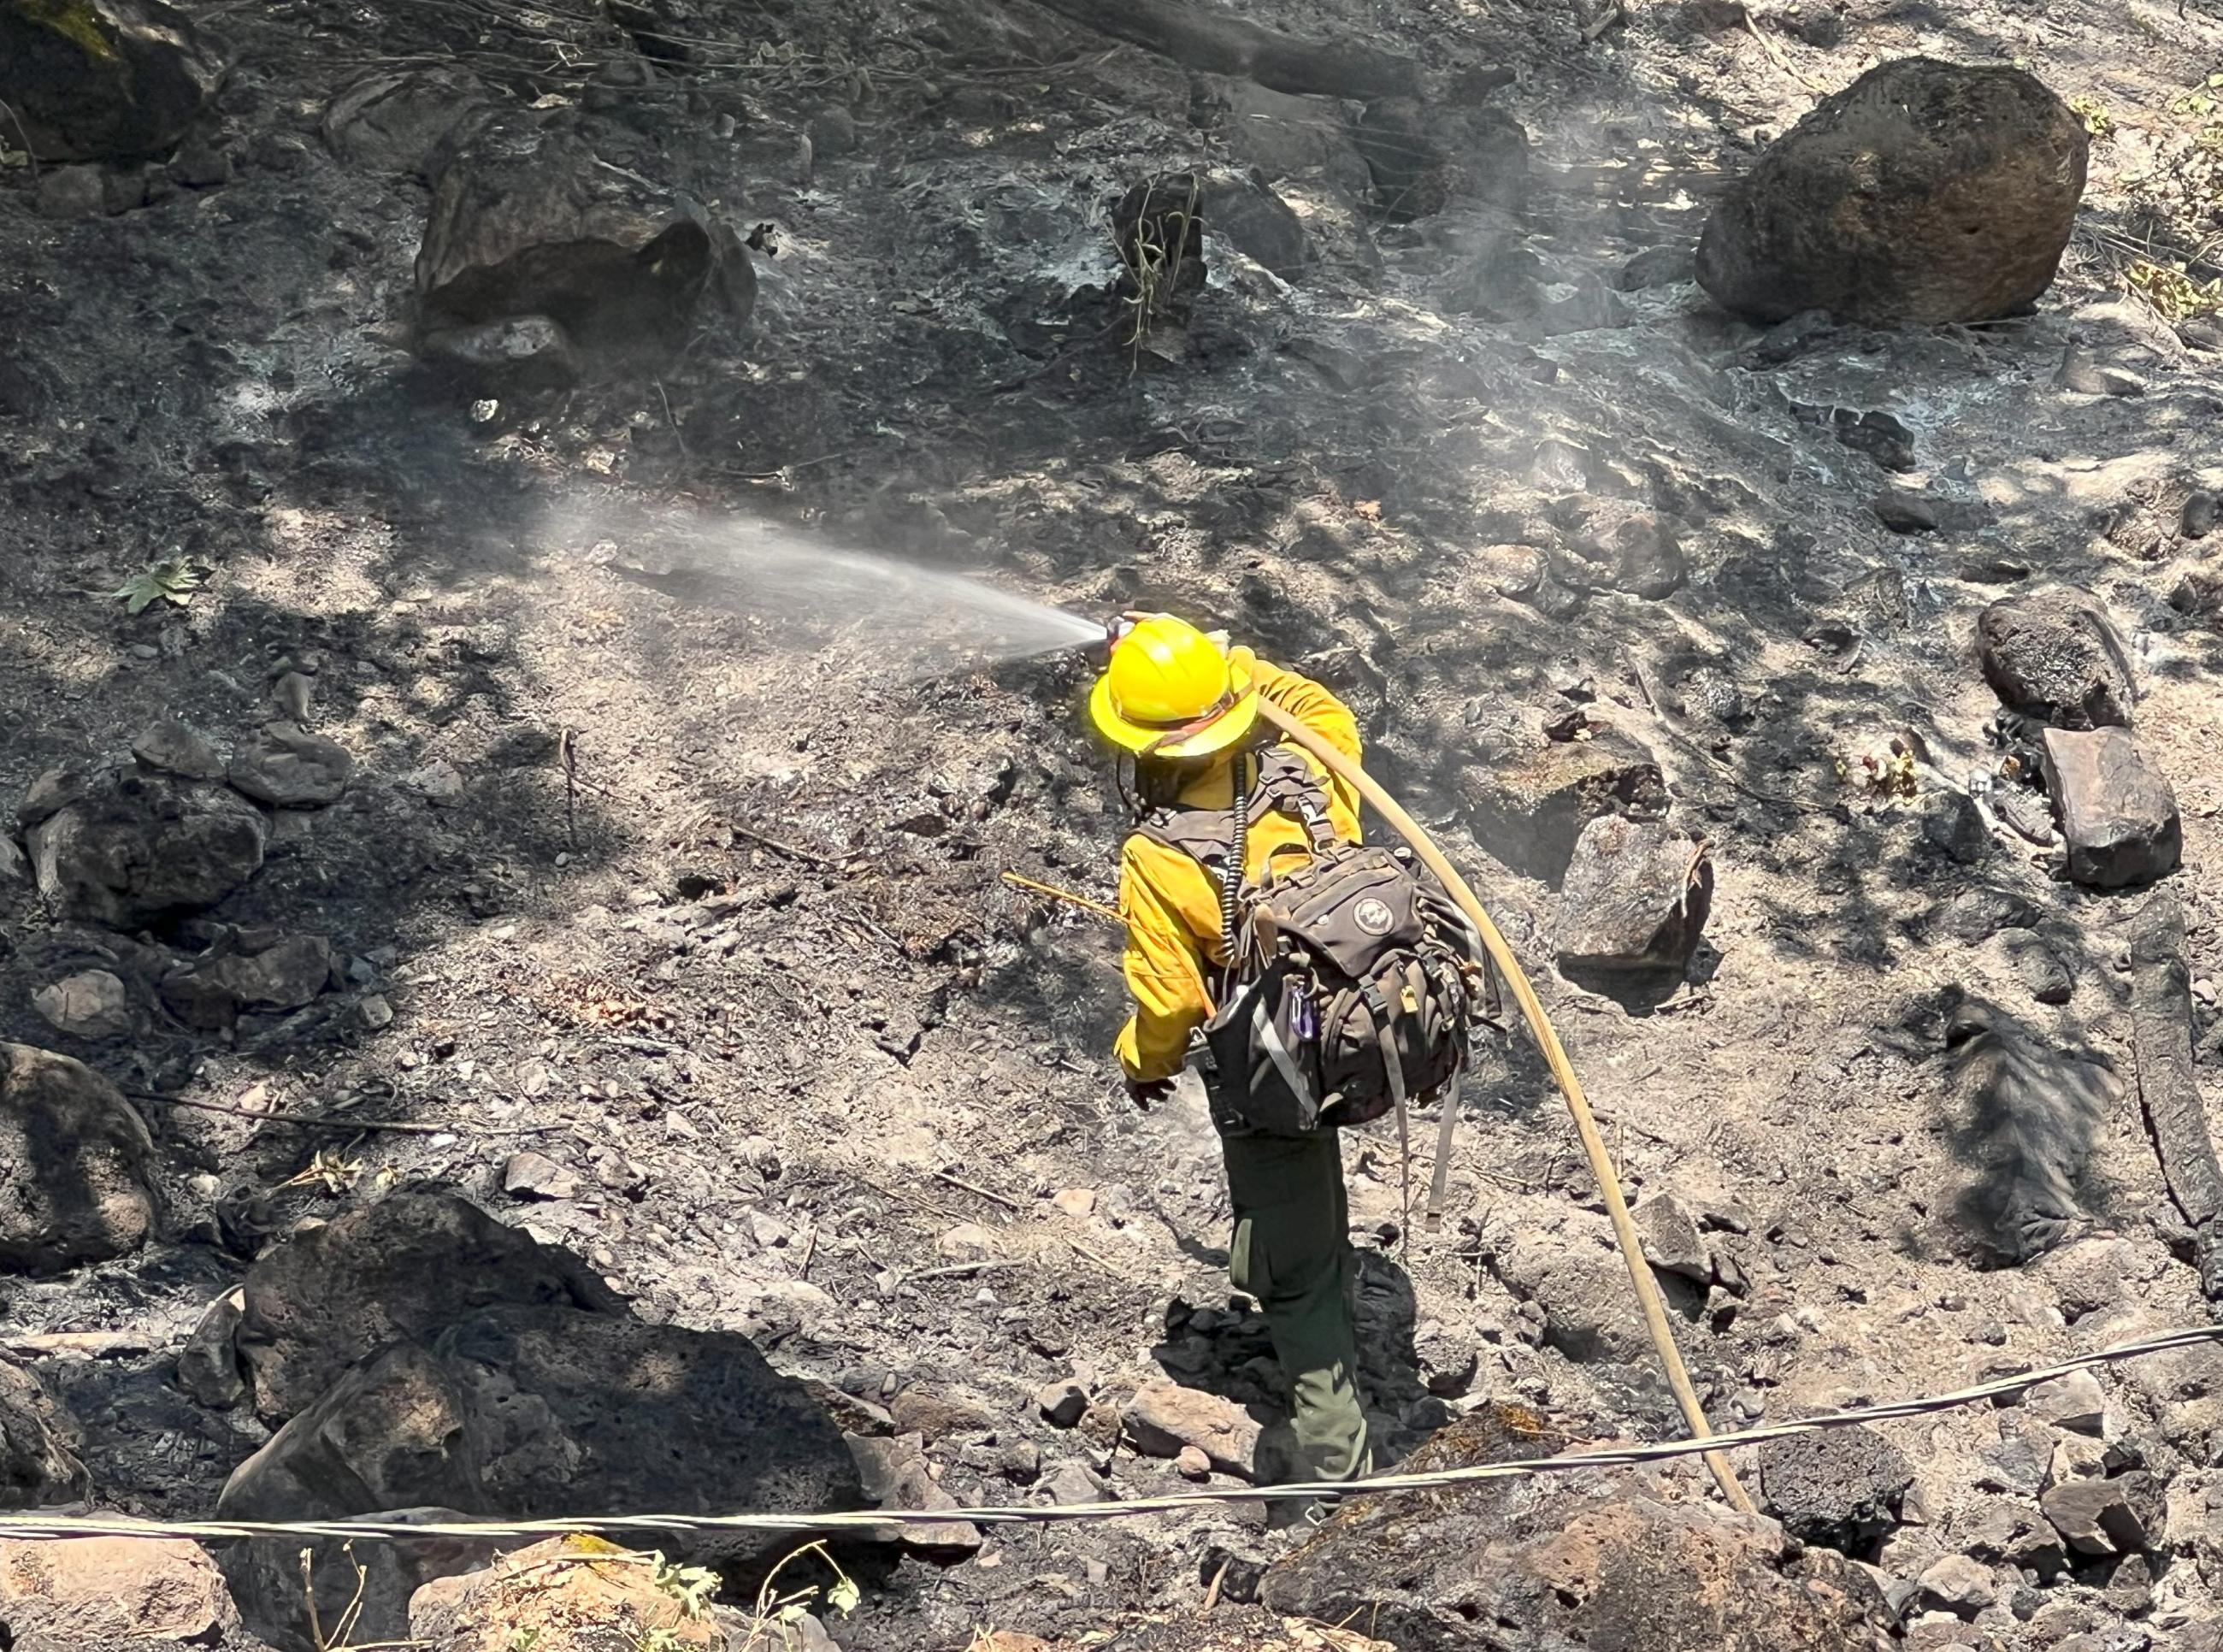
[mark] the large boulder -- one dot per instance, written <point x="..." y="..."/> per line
<point x="1591" y="1560"/>
<point x="1924" y="192"/>
<point x="1530" y="803"/>
<point x="127" y="847"/>
<point x="393" y="122"/>
<point x="285" y="972"/>
<point x="1637" y="897"/>
<point x="531" y="239"/>
<point x="1842" y="1488"/>
<point x="2055" y="655"/>
<point x="74" y="1162"/>
<point x="101" y="79"/>
<point x="534" y="1412"/>
<point x="112" y="1592"/>
<point x="410" y="1265"/>
<point x="38" y="1444"/>
<point x="2118" y="811"/>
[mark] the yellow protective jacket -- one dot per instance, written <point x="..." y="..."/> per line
<point x="1172" y="905"/>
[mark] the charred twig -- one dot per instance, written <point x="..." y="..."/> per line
<point x="1775" y="52"/>
<point x="957" y="1270"/>
<point x="567" y="752"/>
<point x="346" y="1125"/>
<point x="809" y="857"/>
<point x="997" y="1198"/>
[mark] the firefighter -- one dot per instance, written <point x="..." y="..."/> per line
<point x="1185" y="708"/>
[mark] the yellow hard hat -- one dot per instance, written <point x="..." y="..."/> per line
<point x="1171" y="692"/>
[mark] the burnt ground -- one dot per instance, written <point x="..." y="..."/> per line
<point x="752" y="978"/>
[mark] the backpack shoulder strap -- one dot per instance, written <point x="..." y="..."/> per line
<point x="1286" y="782"/>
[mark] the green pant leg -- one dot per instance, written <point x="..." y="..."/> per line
<point x="1292" y="1252"/>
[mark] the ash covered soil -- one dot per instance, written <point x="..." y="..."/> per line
<point x="691" y="895"/>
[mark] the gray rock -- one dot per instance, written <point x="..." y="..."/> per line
<point x="91" y="1003"/>
<point x="1904" y="512"/>
<point x="1573" y="1291"/>
<point x="1531" y="802"/>
<point x="2054" y="654"/>
<point x="1841" y="1488"/>
<point x="1072" y="1484"/>
<point x="208" y="1365"/>
<point x="411" y="1264"/>
<point x="1954" y="825"/>
<point x="286" y="975"/>
<point x="525" y="225"/>
<point x="1019" y="1461"/>
<point x="1283" y="135"/>
<point x="1958" y="1584"/>
<point x="71" y="193"/>
<point x="895" y="1476"/>
<point x="1672" y="1241"/>
<point x="2089" y="1275"/>
<point x="2044" y="973"/>
<point x="436" y="783"/>
<point x="2105" y="1516"/>
<point x="535" y="1176"/>
<point x="2017" y="1465"/>
<point x="2117" y="812"/>
<point x="393" y="123"/>
<point x="287" y="767"/>
<point x="74" y="1159"/>
<point x="1238" y="208"/>
<point x="39" y="1442"/>
<point x="1574" y="1559"/>
<point x="1063" y="1405"/>
<point x="202" y="161"/>
<point x="2197" y="519"/>
<point x="53" y="792"/>
<point x="2014" y="1531"/>
<point x="1924" y="192"/>
<point x="1637" y="897"/>
<point x="167" y="746"/>
<point x="108" y="79"/>
<point x="1163" y="1418"/>
<point x="1657" y="267"/>
<point x="1613" y="545"/>
<point x="15" y="865"/>
<point x="125" y="848"/>
<point x="2075" y="1402"/>
<point x="832" y="133"/>
<point x="2084" y="373"/>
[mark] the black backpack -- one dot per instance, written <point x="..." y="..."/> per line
<point x="1351" y="978"/>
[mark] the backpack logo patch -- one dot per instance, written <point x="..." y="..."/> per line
<point x="1374" y="917"/>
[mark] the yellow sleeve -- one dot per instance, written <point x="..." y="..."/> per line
<point x="1325" y="715"/>
<point x="1164" y="962"/>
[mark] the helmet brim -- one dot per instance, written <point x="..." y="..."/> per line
<point x="1223" y="731"/>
